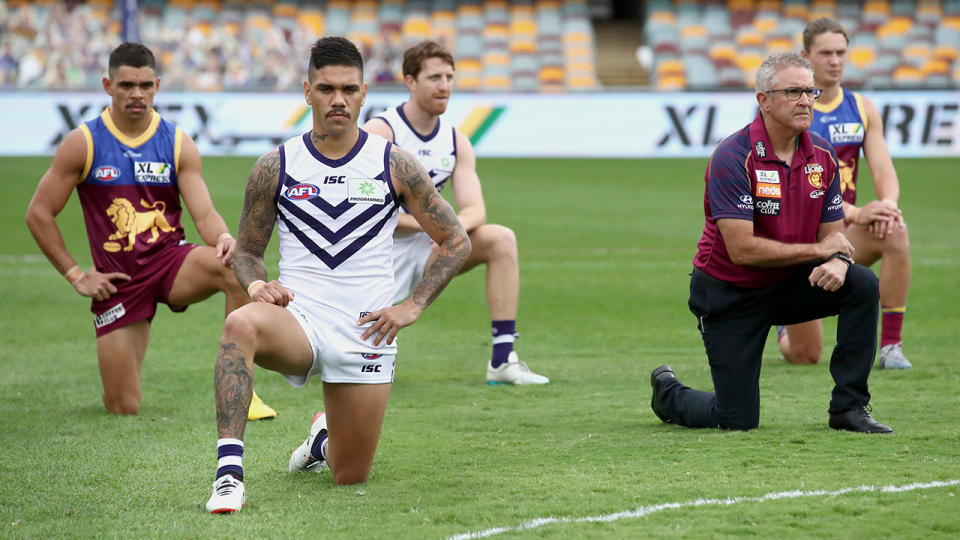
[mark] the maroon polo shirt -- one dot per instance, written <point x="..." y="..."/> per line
<point x="786" y="203"/>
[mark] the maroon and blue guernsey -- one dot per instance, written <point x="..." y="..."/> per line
<point x="843" y="122"/>
<point x="129" y="193"/>
<point x="746" y="180"/>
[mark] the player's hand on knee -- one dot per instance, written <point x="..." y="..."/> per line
<point x="98" y="285"/>
<point x="897" y="221"/>
<point x="271" y="293"/>
<point x="881" y="217"/>
<point x="836" y="243"/>
<point x="225" y="247"/>
<point x="830" y="275"/>
<point x="388" y="321"/>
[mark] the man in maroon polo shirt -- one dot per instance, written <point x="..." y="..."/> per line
<point x="773" y="252"/>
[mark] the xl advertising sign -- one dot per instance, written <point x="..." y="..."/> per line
<point x="499" y="125"/>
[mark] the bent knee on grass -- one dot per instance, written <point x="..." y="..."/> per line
<point x="347" y="475"/>
<point x="122" y="403"/>
<point x="802" y="357"/>
<point x="799" y="351"/>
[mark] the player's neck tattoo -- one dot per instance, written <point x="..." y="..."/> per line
<point x="317" y="137"/>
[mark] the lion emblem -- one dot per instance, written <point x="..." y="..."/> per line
<point x="130" y="223"/>
<point x="846" y="176"/>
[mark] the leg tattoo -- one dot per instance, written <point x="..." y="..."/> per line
<point x="233" y="385"/>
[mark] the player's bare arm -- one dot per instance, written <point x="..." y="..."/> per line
<point x="438" y="220"/>
<point x="257" y="219"/>
<point x="52" y="194"/>
<point x="408" y="224"/>
<point x="882" y="216"/>
<point x="211" y="226"/>
<point x="875" y="149"/>
<point x="467" y="192"/>
<point x="747" y="249"/>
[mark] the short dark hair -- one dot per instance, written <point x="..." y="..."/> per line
<point x="823" y="25"/>
<point x="415" y="56"/>
<point x="131" y="54"/>
<point x="334" y="51"/>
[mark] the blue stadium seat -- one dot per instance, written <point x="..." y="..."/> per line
<point x="701" y="73"/>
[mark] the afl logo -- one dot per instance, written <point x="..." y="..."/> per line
<point x="300" y="192"/>
<point x="370" y="356"/>
<point x="106" y="173"/>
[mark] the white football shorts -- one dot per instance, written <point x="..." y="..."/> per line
<point x="410" y="254"/>
<point x="333" y="364"/>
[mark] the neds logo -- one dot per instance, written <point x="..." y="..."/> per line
<point x="301" y="192"/>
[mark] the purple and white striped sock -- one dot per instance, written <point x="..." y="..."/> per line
<point x="230" y="457"/>
<point x="504" y="334"/>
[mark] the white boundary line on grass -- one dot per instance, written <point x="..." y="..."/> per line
<point x="646" y="510"/>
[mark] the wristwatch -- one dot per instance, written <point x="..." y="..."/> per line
<point x="842" y="257"/>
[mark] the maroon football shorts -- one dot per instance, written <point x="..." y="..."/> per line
<point x="137" y="299"/>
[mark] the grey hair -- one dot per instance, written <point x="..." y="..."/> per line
<point x="772" y="64"/>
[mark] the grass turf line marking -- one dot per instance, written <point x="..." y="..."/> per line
<point x="647" y="510"/>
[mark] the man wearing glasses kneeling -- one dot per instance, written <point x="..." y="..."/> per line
<point x="773" y="252"/>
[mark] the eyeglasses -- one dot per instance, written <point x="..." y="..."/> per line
<point x="794" y="92"/>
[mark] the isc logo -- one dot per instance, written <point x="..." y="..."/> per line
<point x="106" y="173"/>
<point x="300" y="192"/>
<point x="334" y="180"/>
<point x="370" y="368"/>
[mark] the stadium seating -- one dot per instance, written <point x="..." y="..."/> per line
<point x="499" y="45"/>
<point x="893" y="43"/>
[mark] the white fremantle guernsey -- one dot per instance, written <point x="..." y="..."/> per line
<point x="336" y="219"/>
<point x="437" y="152"/>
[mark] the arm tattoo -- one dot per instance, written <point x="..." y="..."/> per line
<point x="455" y="247"/>
<point x="233" y="385"/>
<point x="257" y="219"/>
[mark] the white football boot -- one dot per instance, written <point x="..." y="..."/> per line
<point x="891" y="357"/>
<point x="302" y="459"/>
<point x="228" y="495"/>
<point x="513" y="371"/>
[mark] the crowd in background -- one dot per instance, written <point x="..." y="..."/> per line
<point x="58" y="45"/>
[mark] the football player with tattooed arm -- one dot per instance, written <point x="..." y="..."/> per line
<point x="130" y="169"/>
<point x="333" y="194"/>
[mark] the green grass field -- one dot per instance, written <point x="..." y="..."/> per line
<point x="605" y="249"/>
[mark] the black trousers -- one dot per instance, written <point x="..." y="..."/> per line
<point x="734" y="323"/>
